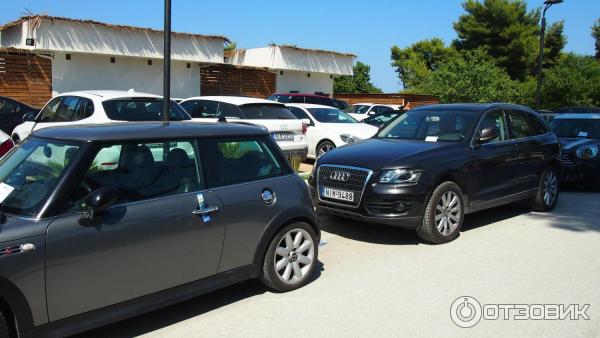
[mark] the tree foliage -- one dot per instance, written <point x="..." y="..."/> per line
<point x="555" y="42"/>
<point x="596" y="36"/>
<point x="359" y="83"/>
<point x="573" y="81"/>
<point x="504" y="29"/>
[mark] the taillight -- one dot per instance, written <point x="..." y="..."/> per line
<point x="6" y="146"/>
<point x="304" y="128"/>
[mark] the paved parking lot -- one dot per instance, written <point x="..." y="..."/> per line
<point x="382" y="281"/>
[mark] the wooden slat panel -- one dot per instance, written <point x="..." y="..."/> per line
<point x="230" y="80"/>
<point x="25" y="77"/>
<point x="398" y="99"/>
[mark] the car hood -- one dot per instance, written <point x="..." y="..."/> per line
<point x="569" y="144"/>
<point x="360" y="130"/>
<point x="378" y="154"/>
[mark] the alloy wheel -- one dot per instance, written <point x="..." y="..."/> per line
<point x="448" y="213"/>
<point x="325" y="148"/>
<point x="550" y="187"/>
<point x="294" y="256"/>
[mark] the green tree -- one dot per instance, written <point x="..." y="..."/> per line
<point x="474" y="77"/>
<point x="230" y="46"/>
<point x="504" y="29"/>
<point x="596" y="36"/>
<point x="555" y="41"/>
<point x="414" y="64"/>
<point x="359" y="83"/>
<point x="573" y="81"/>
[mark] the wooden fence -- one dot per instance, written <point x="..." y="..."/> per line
<point x="398" y="99"/>
<point x="25" y="77"/>
<point x="233" y="80"/>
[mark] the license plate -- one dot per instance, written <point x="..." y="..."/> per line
<point x="283" y="136"/>
<point x="336" y="194"/>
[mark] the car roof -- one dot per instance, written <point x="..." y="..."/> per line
<point x="108" y="94"/>
<point x="236" y="100"/>
<point x="302" y="94"/>
<point x="363" y="104"/>
<point x="310" y="105"/>
<point x="578" y="116"/>
<point x="147" y="131"/>
<point x="473" y="107"/>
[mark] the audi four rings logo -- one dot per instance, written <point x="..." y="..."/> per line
<point x="339" y="176"/>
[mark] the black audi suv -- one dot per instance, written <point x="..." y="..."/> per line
<point x="434" y="164"/>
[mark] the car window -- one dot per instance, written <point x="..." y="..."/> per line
<point x="262" y="111"/>
<point x="1" y="105"/>
<point x="49" y="112"/>
<point x="496" y="119"/>
<point x="576" y="128"/>
<point x="430" y="126"/>
<point x="295" y="99"/>
<point x="318" y="100"/>
<point x="359" y="109"/>
<point x="280" y="98"/>
<point x="235" y="161"/>
<point x="141" y="109"/>
<point x="11" y="107"/>
<point x="520" y="124"/>
<point x="74" y="108"/>
<point x="201" y="108"/>
<point x="299" y="113"/>
<point x="230" y="111"/>
<point x="331" y="115"/>
<point x="538" y="126"/>
<point x="142" y="170"/>
<point x="385" y="109"/>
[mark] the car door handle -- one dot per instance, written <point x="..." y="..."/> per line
<point x="205" y="211"/>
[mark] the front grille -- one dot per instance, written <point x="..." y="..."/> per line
<point x="356" y="182"/>
<point x="566" y="159"/>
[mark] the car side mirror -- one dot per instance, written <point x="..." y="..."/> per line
<point x="29" y="117"/>
<point x="305" y="121"/>
<point x="488" y="134"/>
<point x="97" y="201"/>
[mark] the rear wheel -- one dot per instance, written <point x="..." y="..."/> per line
<point x="324" y="147"/>
<point x="443" y="215"/>
<point x="547" y="192"/>
<point x="291" y="258"/>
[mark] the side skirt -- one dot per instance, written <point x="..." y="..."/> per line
<point x="501" y="201"/>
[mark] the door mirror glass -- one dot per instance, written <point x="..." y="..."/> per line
<point x="488" y="134"/>
<point x="98" y="201"/>
<point x="29" y="117"/>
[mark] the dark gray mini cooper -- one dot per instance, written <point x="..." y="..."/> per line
<point x="99" y="223"/>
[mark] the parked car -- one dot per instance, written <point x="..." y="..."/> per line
<point x="82" y="246"/>
<point x="284" y="127"/>
<point x="329" y="127"/>
<point x="6" y="143"/>
<point x="11" y="113"/>
<point x="432" y="165"/>
<point x="361" y="111"/>
<point x="578" y="110"/>
<point x="96" y="107"/>
<point x="382" y="119"/>
<point x="580" y="138"/>
<point x="309" y="98"/>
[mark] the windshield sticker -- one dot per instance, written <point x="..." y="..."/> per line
<point x="582" y="134"/>
<point x="5" y="190"/>
<point x="431" y="139"/>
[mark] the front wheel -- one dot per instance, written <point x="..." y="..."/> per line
<point x="291" y="258"/>
<point x="324" y="147"/>
<point x="547" y="193"/>
<point x="443" y="215"/>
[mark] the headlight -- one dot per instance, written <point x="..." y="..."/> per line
<point x="347" y="138"/>
<point x="396" y="176"/>
<point x="587" y="152"/>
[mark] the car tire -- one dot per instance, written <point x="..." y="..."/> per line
<point x="285" y="268"/>
<point x="547" y="192"/>
<point x="4" y="328"/>
<point x="444" y="214"/>
<point x="324" y="146"/>
<point x="16" y="139"/>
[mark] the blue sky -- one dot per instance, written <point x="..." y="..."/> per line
<point x="365" y="28"/>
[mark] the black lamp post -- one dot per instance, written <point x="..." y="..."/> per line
<point x="167" y="62"/>
<point x="538" y="94"/>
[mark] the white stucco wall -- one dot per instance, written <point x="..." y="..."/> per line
<point x="299" y="81"/>
<point x="90" y="72"/>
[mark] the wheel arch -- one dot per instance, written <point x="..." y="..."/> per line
<point x="14" y="303"/>
<point x="455" y="176"/>
<point x="321" y="142"/>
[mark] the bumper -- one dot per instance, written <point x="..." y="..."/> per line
<point x="581" y="171"/>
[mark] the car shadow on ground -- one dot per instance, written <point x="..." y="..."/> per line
<point x="173" y="314"/>
<point x="580" y="215"/>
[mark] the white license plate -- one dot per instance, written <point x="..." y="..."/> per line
<point x="285" y="137"/>
<point x="336" y="194"/>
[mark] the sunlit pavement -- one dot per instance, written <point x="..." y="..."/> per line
<point x="383" y="281"/>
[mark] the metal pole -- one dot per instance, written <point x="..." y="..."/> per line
<point x="538" y="92"/>
<point x="167" y="62"/>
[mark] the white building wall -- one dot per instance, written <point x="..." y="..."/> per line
<point x="96" y="72"/>
<point x="298" y="81"/>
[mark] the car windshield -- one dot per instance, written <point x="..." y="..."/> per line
<point x="358" y="109"/>
<point x="142" y="109"/>
<point x="430" y="126"/>
<point x="30" y="173"/>
<point x="266" y="112"/>
<point x="574" y="128"/>
<point x="330" y="115"/>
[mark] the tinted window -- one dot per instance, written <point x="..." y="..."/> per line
<point x="318" y="100"/>
<point x="296" y="99"/>
<point x="299" y="113"/>
<point x="331" y="115"/>
<point x="142" y="109"/>
<point x="520" y="124"/>
<point x="432" y="126"/>
<point x="495" y="119"/>
<point x="359" y="109"/>
<point x="576" y="128"/>
<point x="230" y="110"/>
<point x="384" y="109"/>
<point x="342" y="105"/>
<point x="139" y="171"/>
<point x="10" y="106"/>
<point x="74" y="108"/>
<point x="48" y="114"/>
<point x="236" y="161"/>
<point x="201" y="108"/>
<point x="266" y="112"/>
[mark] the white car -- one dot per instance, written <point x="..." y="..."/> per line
<point x="284" y="127"/>
<point x="96" y="107"/>
<point x="361" y="111"/>
<point x="6" y="143"/>
<point x="329" y="127"/>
